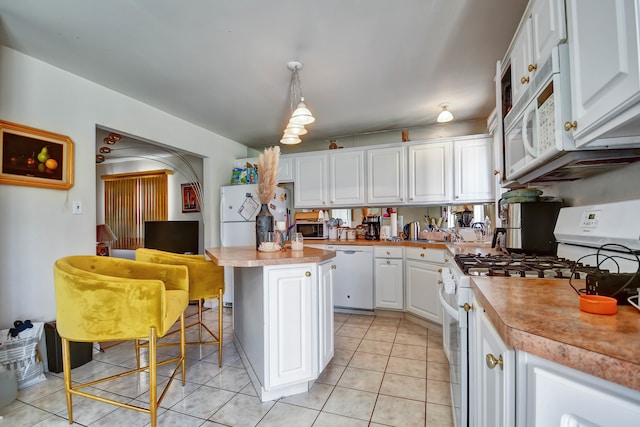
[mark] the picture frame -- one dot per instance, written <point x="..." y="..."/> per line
<point x="25" y="161"/>
<point x="190" y="202"/>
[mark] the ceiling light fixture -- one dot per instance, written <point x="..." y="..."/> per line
<point x="301" y="116"/>
<point x="445" y="115"/>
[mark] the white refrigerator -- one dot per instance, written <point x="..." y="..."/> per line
<point x="239" y="205"/>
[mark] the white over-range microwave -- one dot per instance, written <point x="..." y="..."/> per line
<point x="534" y="132"/>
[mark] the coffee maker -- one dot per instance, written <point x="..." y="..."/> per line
<point x="373" y="227"/>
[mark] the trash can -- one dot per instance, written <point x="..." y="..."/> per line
<point x="81" y="352"/>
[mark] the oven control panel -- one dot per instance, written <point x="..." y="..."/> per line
<point x="590" y="219"/>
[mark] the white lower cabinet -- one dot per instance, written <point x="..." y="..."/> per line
<point x="493" y="389"/>
<point x="422" y="281"/>
<point x="388" y="278"/>
<point x="550" y="394"/>
<point x="290" y="293"/>
<point x="325" y="314"/>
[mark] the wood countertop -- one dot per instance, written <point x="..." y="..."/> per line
<point x="543" y="317"/>
<point x="248" y="256"/>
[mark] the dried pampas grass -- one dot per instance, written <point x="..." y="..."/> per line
<point x="268" y="173"/>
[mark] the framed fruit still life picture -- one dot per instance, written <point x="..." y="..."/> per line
<point x="34" y="157"/>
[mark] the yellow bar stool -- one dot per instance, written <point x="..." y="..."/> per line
<point x="100" y="299"/>
<point x="206" y="281"/>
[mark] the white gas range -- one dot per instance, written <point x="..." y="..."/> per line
<point x="607" y="236"/>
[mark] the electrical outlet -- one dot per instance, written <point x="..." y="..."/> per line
<point x="77" y="207"/>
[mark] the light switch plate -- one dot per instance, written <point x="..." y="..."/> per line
<point x="77" y="207"/>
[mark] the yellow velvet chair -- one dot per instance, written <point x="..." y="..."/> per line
<point x="102" y="299"/>
<point x="206" y="281"/>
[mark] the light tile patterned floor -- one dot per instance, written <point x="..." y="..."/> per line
<point x="385" y="372"/>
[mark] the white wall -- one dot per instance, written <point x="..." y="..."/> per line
<point x="36" y="225"/>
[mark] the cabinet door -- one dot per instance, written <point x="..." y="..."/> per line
<point x="422" y="280"/>
<point x="552" y="394"/>
<point x="285" y="169"/>
<point x="473" y="170"/>
<point x="494" y="388"/>
<point x="346" y="178"/>
<point x="386" y="175"/>
<point x="289" y="340"/>
<point x="603" y="63"/>
<point x="547" y="29"/>
<point x="520" y="60"/>
<point x="388" y="283"/>
<point x="430" y="173"/>
<point x="325" y="314"/>
<point x="310" y="181"/>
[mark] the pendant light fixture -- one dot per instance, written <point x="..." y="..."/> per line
<point x="301" y="116"/>
<point x="445" y="115"/>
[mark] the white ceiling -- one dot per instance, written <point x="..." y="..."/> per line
<point x="369" y="65"/>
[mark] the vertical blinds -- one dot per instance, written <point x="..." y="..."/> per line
<point x="132" y="199"/>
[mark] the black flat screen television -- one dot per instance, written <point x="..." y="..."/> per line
<point x="180" y="237"/>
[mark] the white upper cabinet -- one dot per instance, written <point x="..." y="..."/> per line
<point x="542" y="28"/>
<point x="474" y="181"/>
<point x="386" y="175"/>
<point x="346" y="178"/>
<point x="605" y="80"/>
<point x="285" y="166"/>
<point x="430" y="173"/>
<point x="310" y="189"/>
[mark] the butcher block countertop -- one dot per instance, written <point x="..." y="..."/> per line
<point x="543" y="317"/>
<point x="248" y="256"/>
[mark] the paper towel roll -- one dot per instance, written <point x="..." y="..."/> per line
<point x="394" y="224"/>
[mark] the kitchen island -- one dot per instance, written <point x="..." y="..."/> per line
<point x="282" y="315"/>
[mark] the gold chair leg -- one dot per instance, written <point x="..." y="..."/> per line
<point x="153" y="401"/>
<point x="66" y="367"/>
<point x="137" y="344"/>
<point x="220" y="328"/>
<point x="200" y="320"/>
<point x="183" y="348"/>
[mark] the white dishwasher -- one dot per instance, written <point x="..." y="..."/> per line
<point x="353" y="277"/>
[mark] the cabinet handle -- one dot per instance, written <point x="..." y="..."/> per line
<point x="401" y="199"/>
<point x="324" y="203"/>
<point x="422" y="255"/>
<point x="439" y="282"/>
<point x="568" y="126"/>
<point x="524" y="80"/>
<point x="492" y="361"/>
<point x="333" y="266"/>
<point x="496" y="172"/>
<point x="308" y="274"/>
<point x="410" y="198"/>
<point x="388" y="253"/>
<point x="439" y="270"/>
<point x="388" y="262"/>
<point x="467" y="307"/>
<point x="532" y="67"/>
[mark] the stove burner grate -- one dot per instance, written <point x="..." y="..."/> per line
<point x="519" y="265"/>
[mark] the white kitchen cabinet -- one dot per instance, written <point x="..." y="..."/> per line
<point x="605" y="77"/>
<point x="285" y="166"/>
<point x="430" y="172"/>
<point x="388" y="277"/>
<point x="493" y="391"/>
<point x="290" y="295"/>
<point x="550" y="394"/>
<point x="542" y="28"/>
<point x="422" y="282"/>
<point x="325" y="314"/>
<point x="474" y="179"/>
<point x="346" y="178"/>
<point x="310" y="189"/>
<point x="386" y="175"/>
